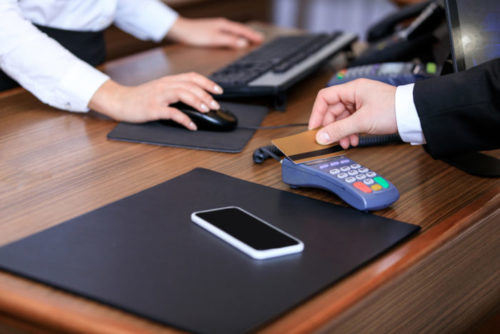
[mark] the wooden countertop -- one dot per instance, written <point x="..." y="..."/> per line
<point x="56" y="165"/>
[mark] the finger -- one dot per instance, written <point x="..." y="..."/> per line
<point x="329" y="118"/>
<point x="344" y="142"/>
<point x="325" y="103"/>
<point x="241" y="30"/>
<point x="200" y="80"/>
<point x="334" y="113"/>
<point x="354" y="139"/>
<point x="319" y="110"/>
<point x="338" y="130"/>
<point x="189" y="98"/>
<point x="224" y="38"/>
<point x="179" y="117"/>
<point x="341" y="115"/>
<point x="339" y="94"/>
<point x="207" y="99"/>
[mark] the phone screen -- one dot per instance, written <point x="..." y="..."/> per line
<point x="247" y="229"/>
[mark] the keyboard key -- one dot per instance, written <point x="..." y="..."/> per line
<point x="363" y="187"/>
<point x="380" y="180"/>
<point x="368" y="181"/>
<point x="335" y="171"/>
<point x="350" y="179"/>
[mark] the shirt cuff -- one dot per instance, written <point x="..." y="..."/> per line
<point x="407" y="120"/>
<point x="163" y="18"/>
<point x="79" y="85"/>
<point x="146" y="19"/>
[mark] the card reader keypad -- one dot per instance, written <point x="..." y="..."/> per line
<point x="353" y="174"/>
<point x="357" y="185"/>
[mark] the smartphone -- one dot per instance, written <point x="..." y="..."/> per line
<point x="248" y="233"/>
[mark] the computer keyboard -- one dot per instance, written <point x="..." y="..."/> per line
<point x="280" y="63"/>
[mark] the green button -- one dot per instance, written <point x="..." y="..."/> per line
<point x="431" y="68"/>
<point x="380" y="180"/>
<point x="340" y="76"/>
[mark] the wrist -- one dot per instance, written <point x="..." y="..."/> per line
<point x="107" y="100"/>
<point x="177" y="30"/>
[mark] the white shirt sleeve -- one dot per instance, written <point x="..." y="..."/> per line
<point x="43" y="66"/>
<point x="145" y="19"/>
<point x="409" y="127"/>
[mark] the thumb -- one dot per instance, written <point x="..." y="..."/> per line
<point x="335" y="131"/>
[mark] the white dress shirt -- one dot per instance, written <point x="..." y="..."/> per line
<point x="409" y="127"/>
<point x="48" y="70"/>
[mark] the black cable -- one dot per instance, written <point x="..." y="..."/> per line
<point x="271" y="151"/>
<point x="366" y="141"/>
<point x="266" y="152"/>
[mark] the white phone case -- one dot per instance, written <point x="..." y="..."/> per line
<point x="252" y="252"/>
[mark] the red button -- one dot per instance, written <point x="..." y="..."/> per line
<point x="363" y="187"/>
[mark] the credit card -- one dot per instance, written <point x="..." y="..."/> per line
<point x="303" y="147"/>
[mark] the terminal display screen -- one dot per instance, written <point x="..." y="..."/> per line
<point x="475" y="31"/>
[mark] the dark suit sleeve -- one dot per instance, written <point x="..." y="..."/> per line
<point x="460" y="112"/>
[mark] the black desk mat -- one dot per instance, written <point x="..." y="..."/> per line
<point x="143" y="254"/>
<point x="158" y="133"/>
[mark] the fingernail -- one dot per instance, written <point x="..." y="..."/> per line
<point x="241" y="43"/>
<point x="204" y="107"/>
<point x="324" y="138"/>
<point x="214" y="104"/>
<point x="218" y="89"/>
<point x="192" y="126"/>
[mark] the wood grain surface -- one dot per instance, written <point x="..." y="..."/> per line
<point x="56" y="165"/>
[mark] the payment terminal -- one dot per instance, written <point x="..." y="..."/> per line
<point x="394" y="73"/>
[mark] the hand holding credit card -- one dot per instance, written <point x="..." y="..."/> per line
<point x="309" y="164"/>
<point x="303" y="147"/>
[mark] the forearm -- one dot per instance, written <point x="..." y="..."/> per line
<point x="43" y="66"/>
<point x="460" y="112"/>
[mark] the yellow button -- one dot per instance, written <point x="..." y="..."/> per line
<point x="376" y="187"/>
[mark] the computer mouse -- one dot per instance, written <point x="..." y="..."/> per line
<point x="213" y="120"/>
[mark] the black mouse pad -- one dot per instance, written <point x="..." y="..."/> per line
<point x="143" y="254"/>
<point x="160" y="134"/>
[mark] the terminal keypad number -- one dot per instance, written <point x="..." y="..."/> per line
<point x="353" y="173"/>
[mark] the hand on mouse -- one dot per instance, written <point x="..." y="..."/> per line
<point x="360" y="106"/>
<point x="150" y="101"/>
<point x="218" y="32"/>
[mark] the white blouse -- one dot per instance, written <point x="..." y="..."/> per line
<point x="48" y="70"/>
